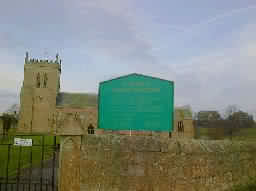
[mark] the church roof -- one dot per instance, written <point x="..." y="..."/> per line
<point x="77" y="100"/>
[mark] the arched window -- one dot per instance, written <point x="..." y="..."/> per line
<point x="90" y="129"/>
<point x="38" y="80"/>
<point x="180" y="126"/>
<point x="45" y="80"/>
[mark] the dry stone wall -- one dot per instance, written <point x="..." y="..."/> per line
<point x="110" y="162"/>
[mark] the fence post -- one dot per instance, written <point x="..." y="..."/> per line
<point x="30" y="169"/>
<point x="19" y="168"/>
<point x="7" y="167"/>
<point x="42" y="165"/>
<point x="54" y="162"/>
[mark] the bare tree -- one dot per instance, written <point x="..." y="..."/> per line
<point x="195" y="115"/>
<point x="228" y="115"/>
<point x="13" y="109"/>
<point x="230" y="110"/>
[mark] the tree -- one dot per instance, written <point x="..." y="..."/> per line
<point x="13" y="109"/>
<point x="229" y="115"/>
<point x="195" y="115"/>
<point x="230" y="110"/>
<point x="9" y="120"/>
<point x="242" y="119"/>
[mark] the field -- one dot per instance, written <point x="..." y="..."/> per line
<point x="23" y="153"/>
<point x="249" y="186"/>
<point x="242" y="134"/>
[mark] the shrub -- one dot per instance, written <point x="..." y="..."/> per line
<point x="249" y="186"/>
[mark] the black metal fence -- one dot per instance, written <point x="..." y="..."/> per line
<point x="29" y="168"/>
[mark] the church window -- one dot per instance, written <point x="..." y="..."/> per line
<point x="90" y="129"/>
<point x="38" y="80"/>
<point x="180" y="126"/>
<point x="45" y="80"/>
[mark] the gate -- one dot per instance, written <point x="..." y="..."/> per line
<point x="29" y="168"/>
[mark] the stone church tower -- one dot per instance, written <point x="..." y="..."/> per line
<point x="40" y="88"/>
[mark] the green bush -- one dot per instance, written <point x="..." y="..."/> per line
<point x="249" y="186"/>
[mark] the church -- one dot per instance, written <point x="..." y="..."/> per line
<point x="45" y="109"/>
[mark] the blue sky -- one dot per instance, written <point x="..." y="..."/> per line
<point x="207" y="47"/>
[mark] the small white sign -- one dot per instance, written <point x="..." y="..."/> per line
<point x="23" y="142"/>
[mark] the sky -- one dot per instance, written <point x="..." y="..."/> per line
<point x="208" y="48"/>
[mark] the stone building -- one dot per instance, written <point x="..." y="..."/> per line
<point x="38" y="94"/>
<point x="42" y="103"/>
<point x="183" y="123"/>
<point x="84" y="105"/>
<point x="44" y="109"/>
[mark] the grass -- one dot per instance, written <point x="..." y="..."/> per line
<point x="249" y="186"/>
<point x="24" y="153"/>
<point x="245" y="134"/>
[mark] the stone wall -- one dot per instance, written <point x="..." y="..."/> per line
<point x="69" y="171"/>
<point x="136" y="133"/>
<point x="73" y="121"/>
<point x="110" y="162"/>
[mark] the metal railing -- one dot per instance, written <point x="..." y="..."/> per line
<point x="29" y="168"/>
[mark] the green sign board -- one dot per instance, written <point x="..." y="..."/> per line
<point x="136" y="102"/>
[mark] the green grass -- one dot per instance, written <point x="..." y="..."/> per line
<point x="246" y="134"/>
<point x="24" y="154"/>
<point x="249" y="186"/>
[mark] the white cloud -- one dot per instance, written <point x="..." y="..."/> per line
<point x="11" y="76"/>
<point x="111" y="29"/>
<point x="7" y="99"/>
<point x="224" y="76"/>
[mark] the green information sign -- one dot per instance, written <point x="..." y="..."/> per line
<point x="136" y="102"/>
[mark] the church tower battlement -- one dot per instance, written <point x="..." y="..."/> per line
<point x="40" y="88"/>
<point x="37" y="61"/>
<point x="37" y="73"/>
